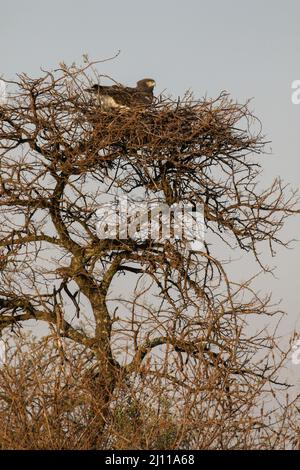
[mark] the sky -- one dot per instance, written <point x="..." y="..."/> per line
<point x="251" y="49"/>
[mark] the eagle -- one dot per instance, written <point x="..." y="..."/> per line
<point x="122" y="97"/>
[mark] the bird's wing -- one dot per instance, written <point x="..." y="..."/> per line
<point x="124" y="96"/>
<point x="103" y="90"/>
<point x="137" y="97"/>
<point x="121" y="95"/>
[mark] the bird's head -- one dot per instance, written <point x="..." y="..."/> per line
<point x="146" y="84"/>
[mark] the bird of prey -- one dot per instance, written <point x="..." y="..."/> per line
<point x="122" y="97"/>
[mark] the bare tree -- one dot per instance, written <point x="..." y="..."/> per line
<point x="177" y="340"/>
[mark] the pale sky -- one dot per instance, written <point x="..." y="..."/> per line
<point x="251" y="49"/>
